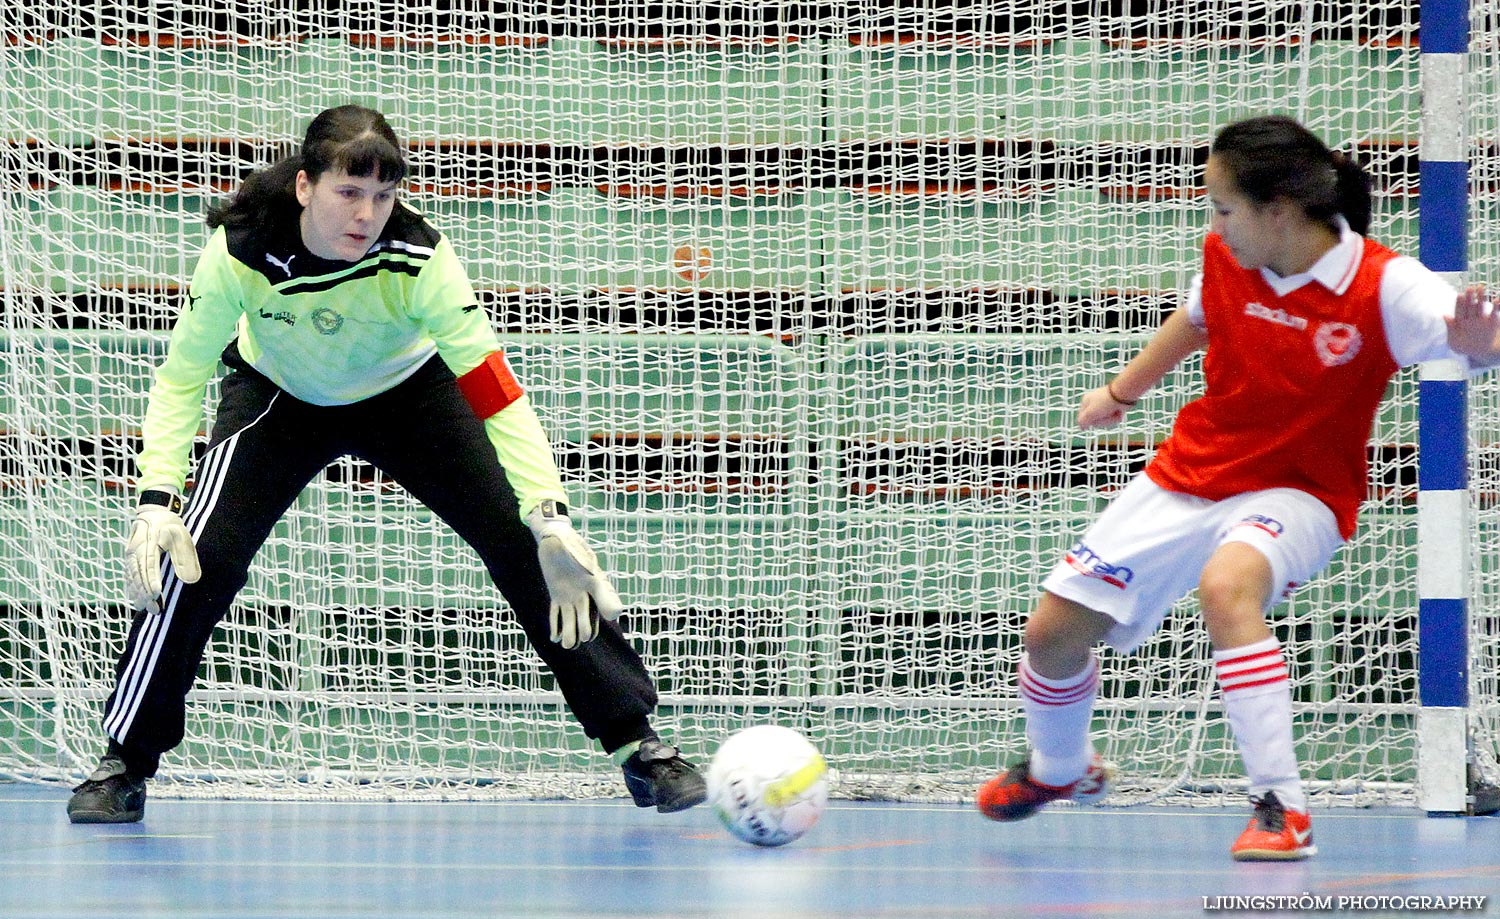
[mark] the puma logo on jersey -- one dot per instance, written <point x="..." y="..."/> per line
<point x="1278" y="316"/>
<point x="284" y="266"/>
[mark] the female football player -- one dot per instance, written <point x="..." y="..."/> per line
<point x="1304" y="321"/>
<point x="351" y="329"/>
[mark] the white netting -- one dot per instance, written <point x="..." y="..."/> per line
<point x="830" y="461"/>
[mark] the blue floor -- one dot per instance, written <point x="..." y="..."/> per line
<point x="217" y="860"/>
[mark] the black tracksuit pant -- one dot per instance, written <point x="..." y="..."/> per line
<point x="264" y="449"/>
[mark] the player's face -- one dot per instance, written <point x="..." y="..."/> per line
<point x="342" y="215"/>
<point x="1251" y="230"/>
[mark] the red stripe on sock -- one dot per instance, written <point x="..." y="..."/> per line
<point x="1251" y="671"/>
<point x="1066" y="695"/>
<point x="1282" y="677"/>
<point x="1243" y="659"/>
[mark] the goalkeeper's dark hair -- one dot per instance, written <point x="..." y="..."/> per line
<point x="351" y="137"/>
<point x="1273" y="157"/>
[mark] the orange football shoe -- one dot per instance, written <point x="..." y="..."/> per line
<point x="1275" y="833"/>
<point x="1015" y="795"/>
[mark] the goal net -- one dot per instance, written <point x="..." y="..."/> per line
<point x="805" y="294"/>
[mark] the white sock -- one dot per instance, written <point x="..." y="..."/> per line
<point x="1058" y="713"/>
<point x="1258" y="700"/>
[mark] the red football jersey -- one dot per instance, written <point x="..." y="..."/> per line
<point x="1292" y="386"/>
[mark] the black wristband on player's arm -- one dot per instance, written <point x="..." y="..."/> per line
<point x="165" y="499"/>
<point x="551" y="508"/>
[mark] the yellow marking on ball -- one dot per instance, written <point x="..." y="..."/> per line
<point x="783" y="791"/>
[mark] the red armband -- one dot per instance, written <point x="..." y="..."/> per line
<point x="491" y="386"/>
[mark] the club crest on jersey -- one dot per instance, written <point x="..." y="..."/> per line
<point x="326" y="321"/>
<point x="1086" y="562"/>
<point x="1336" y="343"/>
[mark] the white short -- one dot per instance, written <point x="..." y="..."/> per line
<point x="1148" y="549"/>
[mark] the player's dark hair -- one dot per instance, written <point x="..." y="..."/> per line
<point x="1274" y="157"/>
<point x="351" y="137"/>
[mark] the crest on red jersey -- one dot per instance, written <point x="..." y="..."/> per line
<point x="1336" y="343"/>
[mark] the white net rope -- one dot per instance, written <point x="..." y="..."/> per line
<point x="805" y="294"/>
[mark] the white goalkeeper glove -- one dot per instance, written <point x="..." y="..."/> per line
<point x="578" y="587"/>
<point x="157" y="528"/>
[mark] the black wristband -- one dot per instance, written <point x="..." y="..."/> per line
<point x="165" y="499"/>
<point x="551" y="508"/>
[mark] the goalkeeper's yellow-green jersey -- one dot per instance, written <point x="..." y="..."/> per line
<point x="331" y="332"/>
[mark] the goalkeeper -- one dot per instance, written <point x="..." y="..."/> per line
<point x="1304" y="321"/>
<point x="351" y="329"/>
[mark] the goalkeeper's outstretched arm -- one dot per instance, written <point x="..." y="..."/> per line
<point x="445" y="304"/>
<point x="1173" y="342"/>
<point x="580" y="590"/>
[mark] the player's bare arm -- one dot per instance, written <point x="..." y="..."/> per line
<point x="1172" y="343"/>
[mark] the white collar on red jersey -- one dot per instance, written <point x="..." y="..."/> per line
<point x="1335" y="270"/>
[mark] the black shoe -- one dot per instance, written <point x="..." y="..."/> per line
<point x="657" y="777"/>
<point x="110" y="795"/>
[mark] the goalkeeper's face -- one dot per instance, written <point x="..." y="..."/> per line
<point x="343" y="215"/>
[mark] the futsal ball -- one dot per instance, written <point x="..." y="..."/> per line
<point x="768" y="785"/>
